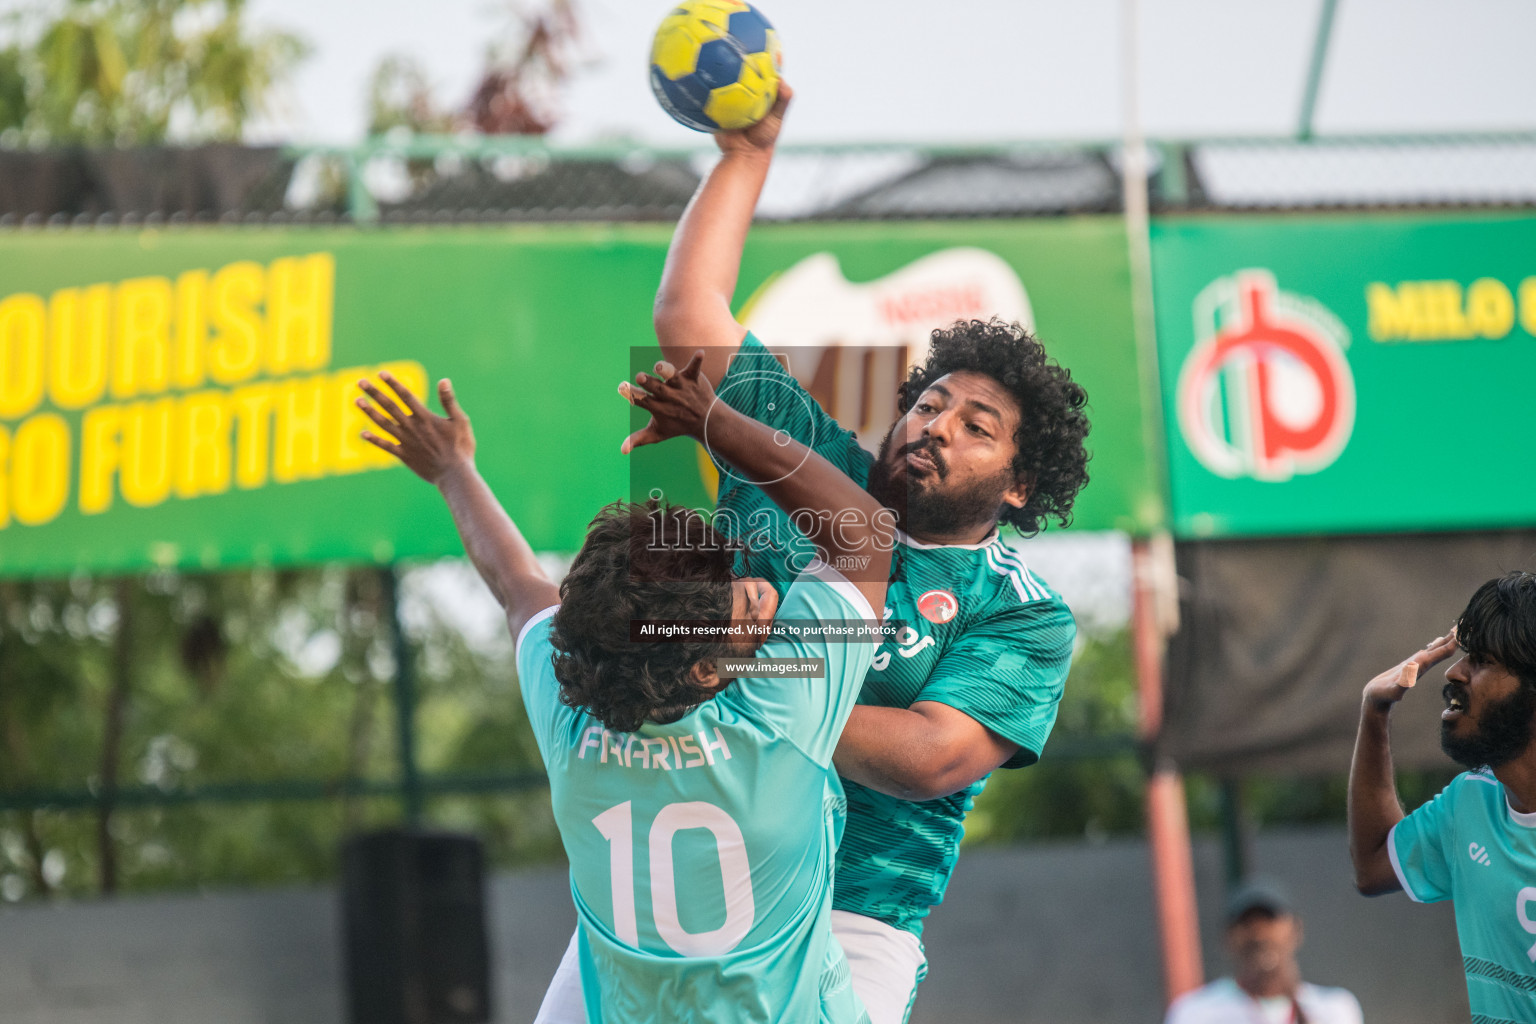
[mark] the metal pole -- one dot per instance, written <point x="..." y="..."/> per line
<point x="1173" y="872"/>
<point x="1315" y="72"/>
<point x="405" y="699"/>
<point x="1234" y="831"/>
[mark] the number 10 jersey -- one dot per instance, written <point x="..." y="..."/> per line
<point x="701" y="851"/>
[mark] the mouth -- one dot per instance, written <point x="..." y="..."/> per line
<point x="921" y="458"/>
<point x="1455" y="703"/>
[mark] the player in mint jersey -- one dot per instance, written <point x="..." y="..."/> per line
<point x="1475" y="842"/>
<point x="699" y="815"/>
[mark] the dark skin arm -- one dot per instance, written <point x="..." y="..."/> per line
<point x="441" y="450"/>
<point x="1373" y="804"/>
<point x="836" y="514"/>
<point x="693" y="303"/>
<point x="923" y="752"/>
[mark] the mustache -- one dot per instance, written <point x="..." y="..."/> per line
<point x="929" y="447"/>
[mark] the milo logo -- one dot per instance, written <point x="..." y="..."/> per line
<point x="1266" y="392"/>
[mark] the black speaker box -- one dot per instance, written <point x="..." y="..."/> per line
<point x="413" y="920"/>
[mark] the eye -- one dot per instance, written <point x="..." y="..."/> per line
<point x="923" y="406"/>
<point x="977" y="429"/>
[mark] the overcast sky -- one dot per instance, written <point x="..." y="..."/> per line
<point x="973" y="70"/>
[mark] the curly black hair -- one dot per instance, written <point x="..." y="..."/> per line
<point x="1499" y="624"/>
<point x="1051" y="459"/>
<point x="639" y="561"/>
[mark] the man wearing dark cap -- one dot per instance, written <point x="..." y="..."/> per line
<point x="1263" y="934"/>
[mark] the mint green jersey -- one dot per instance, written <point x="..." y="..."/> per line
<point x="981" y="634"/>
<point x="1468" y="846"/>
<point x="701" y="851"/>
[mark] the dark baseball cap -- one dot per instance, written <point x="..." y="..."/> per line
<point x="1258" y="894"/>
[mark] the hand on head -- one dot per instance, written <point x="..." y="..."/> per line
<point x="430" y="445"/>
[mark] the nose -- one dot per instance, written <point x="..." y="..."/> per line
<point x="1458" y="672"/>
<point x="942" y="427"/>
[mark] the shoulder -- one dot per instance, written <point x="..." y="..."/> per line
<point x="1475" y="788"/>
<point x="1208" y="1004"/>
<point x="1016" y="600"/>
<point x="1339" y="1004"/>
<point x="1014" y="583"/>
<point x="533" y="646"/>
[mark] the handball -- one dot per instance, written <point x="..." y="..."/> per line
<point x="715" y="65"/>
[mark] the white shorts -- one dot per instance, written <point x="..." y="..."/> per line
<point x="887" y="965"/>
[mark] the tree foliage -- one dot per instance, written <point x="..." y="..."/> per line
<point x="247" y="677"/>
<point x="136" y="72"/>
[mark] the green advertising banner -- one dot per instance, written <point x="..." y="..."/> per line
<point x="183" y="397"/>
<point x="1347" y="374"/>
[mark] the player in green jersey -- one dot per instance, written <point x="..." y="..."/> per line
<point x="699" y="815"/>
<point x="991" y="437"/>
<point x="1475" y="842"/>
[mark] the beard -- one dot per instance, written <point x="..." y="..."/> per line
<point x="925" y="511"/>
<point x="1504" y="731"/>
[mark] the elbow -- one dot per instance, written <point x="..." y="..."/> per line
<point x="935" y="783"/>
<point x="1373" y="874"/>
<point x="671" y="317"/>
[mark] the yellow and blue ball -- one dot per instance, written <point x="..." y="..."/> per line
<point x="715" y="64"/>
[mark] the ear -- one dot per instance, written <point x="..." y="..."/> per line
<point x="704" y="676"/>
<point x="1017" y="495"/>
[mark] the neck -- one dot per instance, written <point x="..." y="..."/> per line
<point x="1519" y="778"/>
<point x="960" y="535"/>
<point x="1280" y="982"/>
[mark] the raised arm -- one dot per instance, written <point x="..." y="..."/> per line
<point x="1373" y="804"/>
<point x="847" y="525"/>
<point x="441" y="450"/>
<point x="693" y="303"/>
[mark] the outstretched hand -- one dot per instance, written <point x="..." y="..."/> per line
<point x="429" y="444"/>
<point x="762" y="136"/>
<point x="1389" y="687"/>
<point x="679" y="402"/>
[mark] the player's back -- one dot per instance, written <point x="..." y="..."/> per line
<point x="701" y="851"/>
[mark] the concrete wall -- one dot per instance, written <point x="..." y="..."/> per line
<point x="1056" y="934"/>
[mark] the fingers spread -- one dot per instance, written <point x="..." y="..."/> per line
<point x="381" y="421"/>
<point x="449" y="399"/>
<point x="378" y="442"/>
<point x="406" y="395"/>
<point x="648" y="434"/>
<point x="385" y="402"/>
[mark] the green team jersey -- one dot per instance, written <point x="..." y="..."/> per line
<point x="980" y="633"/>
<point x="701" y="851"/>
<point x="1469" y="846"/>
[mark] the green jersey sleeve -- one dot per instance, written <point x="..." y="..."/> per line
<point x="758" y="385"/>
<point x="1416" y="846"/>
<point x="536" y="678"/>
<point x="1008" y="673"/>
<point x="811" y="712"/>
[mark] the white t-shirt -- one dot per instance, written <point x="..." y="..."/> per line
<point x="1223" y="1002"/>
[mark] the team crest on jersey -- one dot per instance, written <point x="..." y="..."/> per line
<point x="938" y="606"/>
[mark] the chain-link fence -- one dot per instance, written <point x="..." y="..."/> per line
<point x="426" y="180"/>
